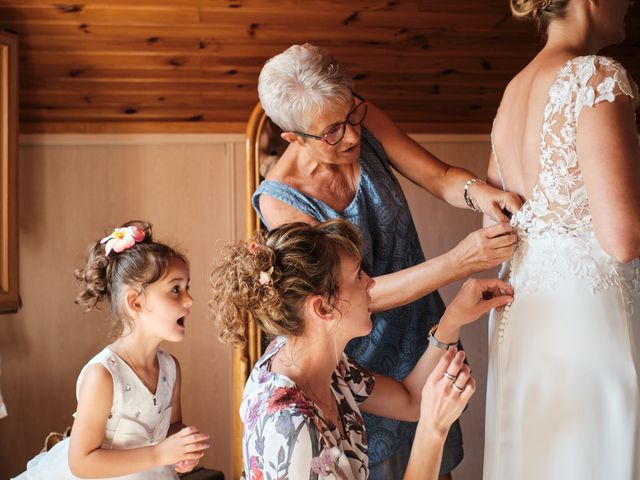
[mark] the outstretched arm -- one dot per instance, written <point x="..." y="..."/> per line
<point x="478" y="251"/>
<point x="427" y="171"/>
<point x="402" y="400"/>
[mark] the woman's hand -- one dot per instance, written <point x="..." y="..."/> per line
<point x="184" y="446"/>
<point x="484" y="249"/>
<point x="494" y="202"/>
<point x="446" y="392"/>
<point x="476" y="297"/>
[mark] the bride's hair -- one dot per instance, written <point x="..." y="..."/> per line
<point x="541" y="11"/>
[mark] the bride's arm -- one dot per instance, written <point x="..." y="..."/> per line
<point x="609" y="155"/>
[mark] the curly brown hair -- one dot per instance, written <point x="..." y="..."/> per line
<point x="294" y="261"/>
<point x="108" y="277"/>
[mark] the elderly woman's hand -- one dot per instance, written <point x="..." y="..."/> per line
<point x="494" y="202"/>
<point x="446" y="392"/>
<point x="483" y="249"/>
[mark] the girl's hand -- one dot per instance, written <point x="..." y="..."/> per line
<point x="476" y="297"/>
<point x="187" y="444"/>
<point x="186" y="466"/>
<point x="445" y="396"/>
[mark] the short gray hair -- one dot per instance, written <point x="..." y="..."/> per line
<point x="299" y="82"/>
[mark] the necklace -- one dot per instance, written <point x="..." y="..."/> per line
<point x="135" y="370"/>
<point x="333" y="410"/>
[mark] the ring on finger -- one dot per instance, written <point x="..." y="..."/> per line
<point x="460" y="389"/>
<point x="449" y="376"/>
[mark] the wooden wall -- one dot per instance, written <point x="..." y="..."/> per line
<point x="194" y="64"/>
<point x="71" y="189"/>
<point x="191" y="187"/>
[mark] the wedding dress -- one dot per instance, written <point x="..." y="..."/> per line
<point x="563" y="397"/>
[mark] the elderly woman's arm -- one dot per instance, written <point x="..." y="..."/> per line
<point x="478" y="251"/>
<point x="427" y="171"/>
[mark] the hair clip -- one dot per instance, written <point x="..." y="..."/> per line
<point x="546" y="5"/>
<point x="122" y="239"/>
<point x="253" y="247"/>
<point x="265" y="277"/>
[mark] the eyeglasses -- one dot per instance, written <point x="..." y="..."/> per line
<point x="336" y="134"/>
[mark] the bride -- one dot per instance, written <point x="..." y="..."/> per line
<point x="563" y="397"/>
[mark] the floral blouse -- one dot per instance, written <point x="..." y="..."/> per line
<point x="286" y="436"/>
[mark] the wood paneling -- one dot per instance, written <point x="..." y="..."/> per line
<point x="72" y="189"/>
<point x="424" y="61"/>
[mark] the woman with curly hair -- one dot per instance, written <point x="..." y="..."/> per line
<point x="302" y="405"/>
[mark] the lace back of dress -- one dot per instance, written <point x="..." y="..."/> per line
<point x="559" y="202"/>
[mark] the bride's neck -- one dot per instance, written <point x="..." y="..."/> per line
<point x="572" y="36"/>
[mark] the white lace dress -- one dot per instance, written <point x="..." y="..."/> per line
<point x="138" y="418"/>
<point x="563" y="397"/>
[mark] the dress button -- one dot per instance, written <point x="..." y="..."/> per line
<point x="127" y="387"/>
<point x="112" y="361"/>
<point x="138" y="414"/>
<point x="159" y="410"/>
<point x="164" y="379"/>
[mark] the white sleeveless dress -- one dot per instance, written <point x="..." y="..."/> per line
<point x="138" y="419"/>
<point x="563" y="397"/>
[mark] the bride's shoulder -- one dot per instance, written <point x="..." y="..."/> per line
<point x="604" y="77"/>
<point x="588" y="67"/>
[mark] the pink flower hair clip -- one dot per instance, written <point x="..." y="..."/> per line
<point x="253" y="247"/>
<point x="122" y="238"/>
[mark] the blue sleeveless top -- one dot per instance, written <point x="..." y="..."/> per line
<point x="399" y="336"/>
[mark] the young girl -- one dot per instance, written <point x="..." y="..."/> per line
<point x="129" y="393"/>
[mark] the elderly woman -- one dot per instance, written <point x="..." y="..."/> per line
<point x="301" y="406"/>
<point x="339" y="165"/>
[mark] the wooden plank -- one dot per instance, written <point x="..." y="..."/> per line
<point x="135" y="61"/>
<point x="82" y="13"/>
<point x="284" y="34"/>
<point x="199" y="80"/>
<point x="252" y="5"/>
<point x="450" y="43"/>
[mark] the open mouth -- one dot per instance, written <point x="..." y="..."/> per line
<point x="180" y="322"/>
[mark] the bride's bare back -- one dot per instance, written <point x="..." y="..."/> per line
<point x="518" y="125"/>
<point x="565" y="140"/>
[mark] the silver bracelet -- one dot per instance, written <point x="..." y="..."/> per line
<point x="467" y="197"/>
<point x="437" y="343"/>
